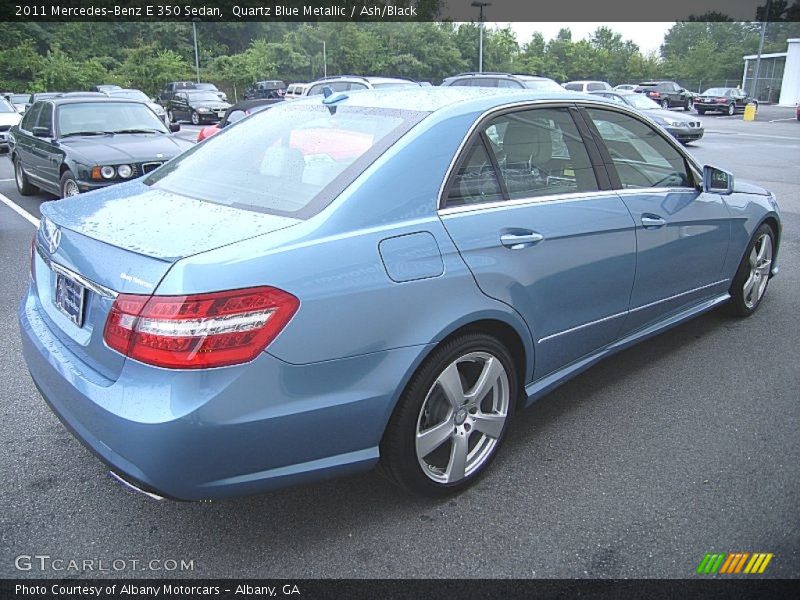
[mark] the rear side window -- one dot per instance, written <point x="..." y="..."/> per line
<point x="595" y="86"/>
<point x="290" y="160"/>
<point x="574" y="87"/>
<point x="538" y="152"/>
<point x="642" y="157"/>
<point x="30" y="117"/>
<point x="509" y="83"/>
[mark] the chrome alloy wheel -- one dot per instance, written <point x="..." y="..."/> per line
<point x="462" y="417"/>
<point x="70" y="188"/>
<point x="19" y="175"/>
<point x="760" y="264"/>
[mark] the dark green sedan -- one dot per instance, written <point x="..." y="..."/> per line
<point x="66" y="146"/>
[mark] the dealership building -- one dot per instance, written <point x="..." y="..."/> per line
<point x="778" y="75"/>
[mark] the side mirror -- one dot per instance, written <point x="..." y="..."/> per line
<point x="717" y="181"/>
<point x="42" y="132"/>
<point x="174" y="127"/>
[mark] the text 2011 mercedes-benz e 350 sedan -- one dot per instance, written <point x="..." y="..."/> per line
<point x="377" y="276"/>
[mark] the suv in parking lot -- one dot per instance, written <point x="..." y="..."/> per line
<point x="667" y="94"/>
<point x="504" y="80"/>
<point x="345" y="83"/>
<point x="274" y="88"/>
<point x="170" y="89"/>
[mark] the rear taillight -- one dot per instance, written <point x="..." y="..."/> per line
<point x="198" y="331"/>
<point x="654" y="94"/>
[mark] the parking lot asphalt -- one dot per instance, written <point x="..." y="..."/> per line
<point x="686" y="444"/>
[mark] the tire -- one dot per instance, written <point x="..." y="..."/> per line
<point x="700" y="111"/>
<point x="170" y="115"/>
<point x="665" y="103"/>
<point x="196" y="120"/>
<point x="436" y="468"/>
<point x="68" y="185"/>
<point x="750" y="283"/>
<point x="687" y="106"/>
<point x="24" y="186"/>
<point x="731" y="110"/>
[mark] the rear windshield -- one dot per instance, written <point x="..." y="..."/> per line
<point x="574" y="87"/>
<point x="543" y="85"/>
<point x="289" y="161"/>
<point x="717" y="92"/>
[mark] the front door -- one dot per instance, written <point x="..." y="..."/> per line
<point x="682" y="233"/>
<point x="524" y="208"/>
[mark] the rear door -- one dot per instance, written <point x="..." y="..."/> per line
<point x="541" y="232"/>
<point x="682" y="233"/>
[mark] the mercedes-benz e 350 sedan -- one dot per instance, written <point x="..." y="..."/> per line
<point x="379" y="277"/>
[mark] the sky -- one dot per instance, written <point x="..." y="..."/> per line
<point x="648" y="36"/>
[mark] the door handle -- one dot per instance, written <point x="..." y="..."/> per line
<point x="652" y="222"/>
<point x="518" y="241"/>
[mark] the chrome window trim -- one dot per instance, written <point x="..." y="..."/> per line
<point x="98" y="289"/>
<point x="517" y="202"/>
<point x="578" y="327"/>
<point x="550" y="103"/>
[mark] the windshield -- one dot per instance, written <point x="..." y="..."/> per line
<point x="5" y="107"/>
<point x="205" y="86"/>
<point x="107" y="117"/>
<point x="716" y="92"/>
<point x="131" y="94"/>
<point x="640" y="101"/>
<point x="203" y="97"/>
<point x="291" y="160"/>
<point x="543" y="85"/>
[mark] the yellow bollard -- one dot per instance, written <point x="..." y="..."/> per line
<point x="750" y="112"/>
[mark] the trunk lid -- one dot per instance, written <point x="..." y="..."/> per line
<point x="124" y="239"/>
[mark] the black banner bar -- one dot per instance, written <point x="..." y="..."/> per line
<point x="395" y="10"/>
<point x="460" y="589"/>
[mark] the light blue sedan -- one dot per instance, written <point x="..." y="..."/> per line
<point x="379" y="277"/>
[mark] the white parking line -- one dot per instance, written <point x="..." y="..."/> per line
<point x="779" y="120"/>
<point x="22" y="213"/>
<point x="3" y="180"/>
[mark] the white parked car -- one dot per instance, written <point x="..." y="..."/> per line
<point x="295" y="90"/>
<point x="625" y="87"/>
<point x="586" y="86"/>
<point x="8" y="118"/>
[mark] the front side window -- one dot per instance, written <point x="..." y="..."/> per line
<point x="642" y="156"/>
<point x="45" y="119"/>
<point x="538" y="152"/>
<point x="290" y="160"/>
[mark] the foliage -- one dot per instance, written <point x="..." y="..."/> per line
<point x="145" y="55"/>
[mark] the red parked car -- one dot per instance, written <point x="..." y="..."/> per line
<point x="237" y="112"/>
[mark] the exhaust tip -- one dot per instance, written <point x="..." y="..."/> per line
<point x="134" y="488"/>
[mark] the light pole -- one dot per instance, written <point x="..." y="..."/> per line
<point x="324" y="60"/>
<point x="479" y="5"/>
<point x="196" y="55"/>
<point x="765" y="18"/>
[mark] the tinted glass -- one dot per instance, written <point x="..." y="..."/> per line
<point x="45" y="118"/>
<point x="101" y="117"/>
<point x="641" y="155"/>
<point x="616" y="99"/>
<point x="30" y="116"/>
<point x="717" y="92"/>
<point x="476" y="179"/>
<point x="20" y="98"/>
<point x="595" y="86"/>
<point x="540" y="153"/>
<point x="292" y="159"/>
<point x="335" y="86"/>
<point x="509" y="83"/>
<point x="574" y="87"/>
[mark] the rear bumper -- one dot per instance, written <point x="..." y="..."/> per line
<point x="711" y="106"/>
<point x="221" y="432"/>
<point x="686" y="134"/>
